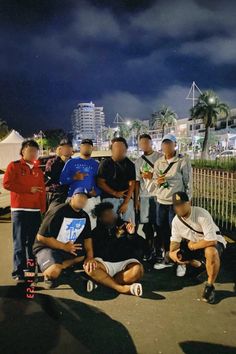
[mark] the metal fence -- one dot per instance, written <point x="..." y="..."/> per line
<point x="215" y="191"/>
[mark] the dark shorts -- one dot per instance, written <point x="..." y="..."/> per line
<point x="198" y="254"/>
<point x="48" y="256"/>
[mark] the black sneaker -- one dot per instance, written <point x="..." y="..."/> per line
<point x="209" y="294"/>
<point x="19" y="277"/>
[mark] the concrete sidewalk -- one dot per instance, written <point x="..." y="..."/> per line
<point x="168" y="319"/>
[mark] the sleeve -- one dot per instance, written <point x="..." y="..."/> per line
<point x="51" y="224"/>
<point x="67" y="173"/>
<point x="137" y="170"/>
<point x="102" y="169"/>
<point x="131" y="172"/>
<point x="10" y="181"/>
<point x="208" y="226"/>
<point x="186" y="170"/>
<point x="175" y="233"/>
<point x="87" y="230"/>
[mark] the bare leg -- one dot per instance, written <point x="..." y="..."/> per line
<point x="212" y="264"/>
<point x="131" y="274"/>
<point x="55" y="270"/>
<point x="100" y="276"/>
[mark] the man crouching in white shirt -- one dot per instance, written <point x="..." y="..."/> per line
<point x="196" y="237"/>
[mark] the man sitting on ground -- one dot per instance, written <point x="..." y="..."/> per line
<point x="195" y="237"/>
<point x="64" y="238"/>
<point x="117" y="251"/>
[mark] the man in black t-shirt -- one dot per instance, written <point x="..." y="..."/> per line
<point x="116" y="178"/>
<point x="117" y="251"/>
<point x="64" y="238"/>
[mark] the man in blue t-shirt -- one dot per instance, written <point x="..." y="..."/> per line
<point x="82" y="172"/>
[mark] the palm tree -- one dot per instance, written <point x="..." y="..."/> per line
<point x="164" y="118"/>
<point x="138" y="127"/>
<point x="3" y="128"/>
<point x="208" y="108"/>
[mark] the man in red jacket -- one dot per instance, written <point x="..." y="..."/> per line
<point x="25" y="180"/>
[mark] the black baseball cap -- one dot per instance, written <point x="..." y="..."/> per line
<point x="65" y="142"/>
<point x="180" y="198"/>
<point x="87" y="141"/>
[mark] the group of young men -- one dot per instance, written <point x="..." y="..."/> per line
<point x="94" y="210"/>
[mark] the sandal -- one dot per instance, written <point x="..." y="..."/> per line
<point x="136" y="289"/>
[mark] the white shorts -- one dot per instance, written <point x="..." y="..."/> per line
<point x="113" y="268"/>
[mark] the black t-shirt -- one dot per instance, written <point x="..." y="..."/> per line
<point x="65" y="224"/>
<point x="117" y="174"/>
<point x="107" y="246"/>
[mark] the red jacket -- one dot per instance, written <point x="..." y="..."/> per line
<point x="18" y="179"/>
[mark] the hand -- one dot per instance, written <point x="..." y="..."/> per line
<point x="161" y="179"/>
<point x="191" y="245"/>
<point x="130" y="227"/>
<point x="36" y="190"/>
<point x="79" y="176"/>
<point x="173" y="255"/>
<point x="90" y="264"/>
<point x="92" y="193"/>
<point x="137" y="205"/>
<point x="147" y="175"/>
<point x="123" y="208"/>
<point x="120" y="194"/>
<point x="72" y="247"/>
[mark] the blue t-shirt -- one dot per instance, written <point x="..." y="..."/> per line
<point x="74" y="165"/>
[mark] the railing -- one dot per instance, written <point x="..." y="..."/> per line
<point x="215" y="191"/>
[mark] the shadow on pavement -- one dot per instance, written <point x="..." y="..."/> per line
<point x="48" y="324"/>
<point x="194" y="347"/>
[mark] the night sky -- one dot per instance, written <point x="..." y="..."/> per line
<point x="129" y="56"/>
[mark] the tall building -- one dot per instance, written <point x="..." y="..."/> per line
<point x="87" y="122"/>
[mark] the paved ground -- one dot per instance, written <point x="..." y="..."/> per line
<point x="169" y="319"/>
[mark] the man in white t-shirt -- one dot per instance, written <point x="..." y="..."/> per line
<point x="196" y="237"/>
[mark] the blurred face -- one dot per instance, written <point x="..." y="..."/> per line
<point x="145" y="144"/>
<point x="183" y="209"/>
<point x="118" y="150"/>
<point x="86" y="149"/>
<point x="168" y="147"/>
<point x="65" y="150"/>
<point x="78" y="201"/>
<point x="108" y="217"/>
<point x="30" y="153"/>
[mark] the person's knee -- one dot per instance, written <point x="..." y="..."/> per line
<point x="137" y="271"/>
<point x="53" y="272"/>
<point x="211" y="254"/>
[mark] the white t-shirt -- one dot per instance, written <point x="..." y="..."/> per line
<point x="200" y="220"/>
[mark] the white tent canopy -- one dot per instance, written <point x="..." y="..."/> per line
<point x="10" y="148"/>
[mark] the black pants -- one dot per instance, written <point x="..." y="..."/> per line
<point x="25" y="227"/>
<point x="164" y="216"/>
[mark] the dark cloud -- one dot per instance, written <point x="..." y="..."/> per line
<point x="130" y="56"/>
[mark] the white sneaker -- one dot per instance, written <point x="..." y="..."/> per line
<point x="181" y="270"/>
<point x="162" y="265"/>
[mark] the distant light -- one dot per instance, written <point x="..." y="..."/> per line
<point x="211" y="100"/>
<point x="128" y="122"/>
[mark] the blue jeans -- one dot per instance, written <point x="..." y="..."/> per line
<point x="129" y="214"/>
<point x="25" y="227"/>
<point x="164" y="216"/>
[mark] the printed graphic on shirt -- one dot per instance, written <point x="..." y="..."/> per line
<point x="71" y="229"/>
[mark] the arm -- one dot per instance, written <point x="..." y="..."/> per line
<point x="51" y="242"/>
<point x="193" y="246"/>
<point x="43" y="194"/>
<point x="104" y="186"/>
<point x="10" y="181"/>
<point x="136" y="195"/>
<point x="88" y="245"/>
<point x="67" y="175"/>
